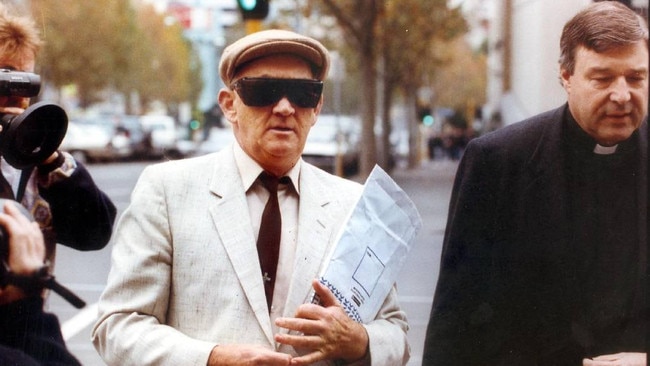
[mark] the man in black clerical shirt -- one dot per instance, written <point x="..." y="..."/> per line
<point x="544" y="253"/>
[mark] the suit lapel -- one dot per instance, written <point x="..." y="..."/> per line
<point x="232" y="221"/>
<point x="314" y="240"/>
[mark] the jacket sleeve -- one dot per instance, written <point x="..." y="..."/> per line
<point x="82" y="214"/>
<point x="31" y="337"/>
<point x="387" y="334"/>
<point x="131" y="328"/>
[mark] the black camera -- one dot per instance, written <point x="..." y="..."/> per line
<point x="19" y="84"/>
<point x="40" y="280"/>
<point x="31" y="137"/>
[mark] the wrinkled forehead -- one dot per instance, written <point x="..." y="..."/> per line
<point x="631" y="57"/>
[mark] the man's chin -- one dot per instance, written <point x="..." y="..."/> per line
<point x="615" y="137"/>
<point x="286" y="151"/>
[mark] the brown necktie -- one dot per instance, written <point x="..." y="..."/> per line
<point x="268" y="240"/>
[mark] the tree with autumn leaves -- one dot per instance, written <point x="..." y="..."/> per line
<point x="400" y="46"/>
<point x="396" y="48"/>
<point x="112" y="45"/>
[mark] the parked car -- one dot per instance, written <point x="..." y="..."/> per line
<point x="163" y="135"/>
<point x="139" y="138"/>
<point x="90" y="140"/>
<point x="218" y="139"/>
<point x="333" y="135"/>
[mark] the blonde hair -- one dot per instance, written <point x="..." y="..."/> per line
<point x="18" y="34"/>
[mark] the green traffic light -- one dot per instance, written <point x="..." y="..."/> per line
<point x="248" y="4"/>
<point x="253" y="9"/>
<point x="428" y="120"/>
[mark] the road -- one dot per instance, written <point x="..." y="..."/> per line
<point x="429" y="186"/>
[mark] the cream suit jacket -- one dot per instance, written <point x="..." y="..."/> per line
<point x="185" y="274"/>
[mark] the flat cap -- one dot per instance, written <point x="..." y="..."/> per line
<point x="272" y="42"/>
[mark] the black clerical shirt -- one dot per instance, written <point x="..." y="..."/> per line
<point x="604" y="209"/>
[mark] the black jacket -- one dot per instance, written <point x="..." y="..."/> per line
<point x="82" y="214"/>
<point x="507" y="276"/>
<point x="29" y="336"/>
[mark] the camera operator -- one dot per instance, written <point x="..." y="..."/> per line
<point x="59" y="192"/>
<point x="29" y="336"/>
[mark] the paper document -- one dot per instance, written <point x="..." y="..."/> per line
<point x="372" y="247"/>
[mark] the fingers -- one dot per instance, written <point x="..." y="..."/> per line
<point x="241" y="354"/>
<point x="315" y="319"/>
<point x="308" y="359"/>
<point x="323" y="332"/>
<point x="326" y="296"/>
<point x="307" y="321"/>
<point x="618" y="359"/>
<point x="26" y="246"/>
<point x="11" y="110"/>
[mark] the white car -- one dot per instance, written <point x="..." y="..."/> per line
<point x="88" y="141"/>
<point x="218" y="139"/>
<point x="163" y="134"/>
<point x="332" y="139"/>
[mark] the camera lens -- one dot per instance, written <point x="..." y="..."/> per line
<point x="29" y="138"/>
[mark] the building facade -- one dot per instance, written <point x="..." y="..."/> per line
<point x="523" y="69"/>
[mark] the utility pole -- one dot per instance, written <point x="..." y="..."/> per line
<point x="507" y="45"/>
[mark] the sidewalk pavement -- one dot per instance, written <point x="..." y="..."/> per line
<point x="429" y="187"/>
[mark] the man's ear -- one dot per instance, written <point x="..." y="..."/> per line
<point x="564" y="78"/>
<point x="226" y="99"/>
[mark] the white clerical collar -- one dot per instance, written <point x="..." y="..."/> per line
<point x="604" y="150"/>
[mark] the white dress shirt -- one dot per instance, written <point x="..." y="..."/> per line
<point x="288" y="198"/>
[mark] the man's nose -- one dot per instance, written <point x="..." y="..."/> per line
<point x="620" y="91"/>
<point x="283" y="107"/>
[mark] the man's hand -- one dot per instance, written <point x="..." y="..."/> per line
<point x="325" y="332"/>
<point x="14" y="109"/>
<point x="246" y="355"/>
<point x="26" y="248"/>
<point x="51" y="158"/>
<point x="619" y="359"/>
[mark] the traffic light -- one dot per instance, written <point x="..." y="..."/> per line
<point x="425" y="116"/>
<point x="253" y="9"/>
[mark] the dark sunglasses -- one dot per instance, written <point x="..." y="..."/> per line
<point x="262" y="92"/>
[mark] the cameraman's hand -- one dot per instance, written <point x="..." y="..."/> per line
<point x="26" y="248"/>
<point x="11" y="110"/>
<point x="12" y="105"/>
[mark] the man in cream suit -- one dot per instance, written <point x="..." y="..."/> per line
<point x="186" y="286"/>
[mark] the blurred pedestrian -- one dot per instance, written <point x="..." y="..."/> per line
<point x="212" y="118"/>
<point x="59" y="192"/>
<point x="544" y="255"/>
<point x="188" y="284"/>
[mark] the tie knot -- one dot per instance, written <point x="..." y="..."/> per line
<point x="271" y="182"/>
